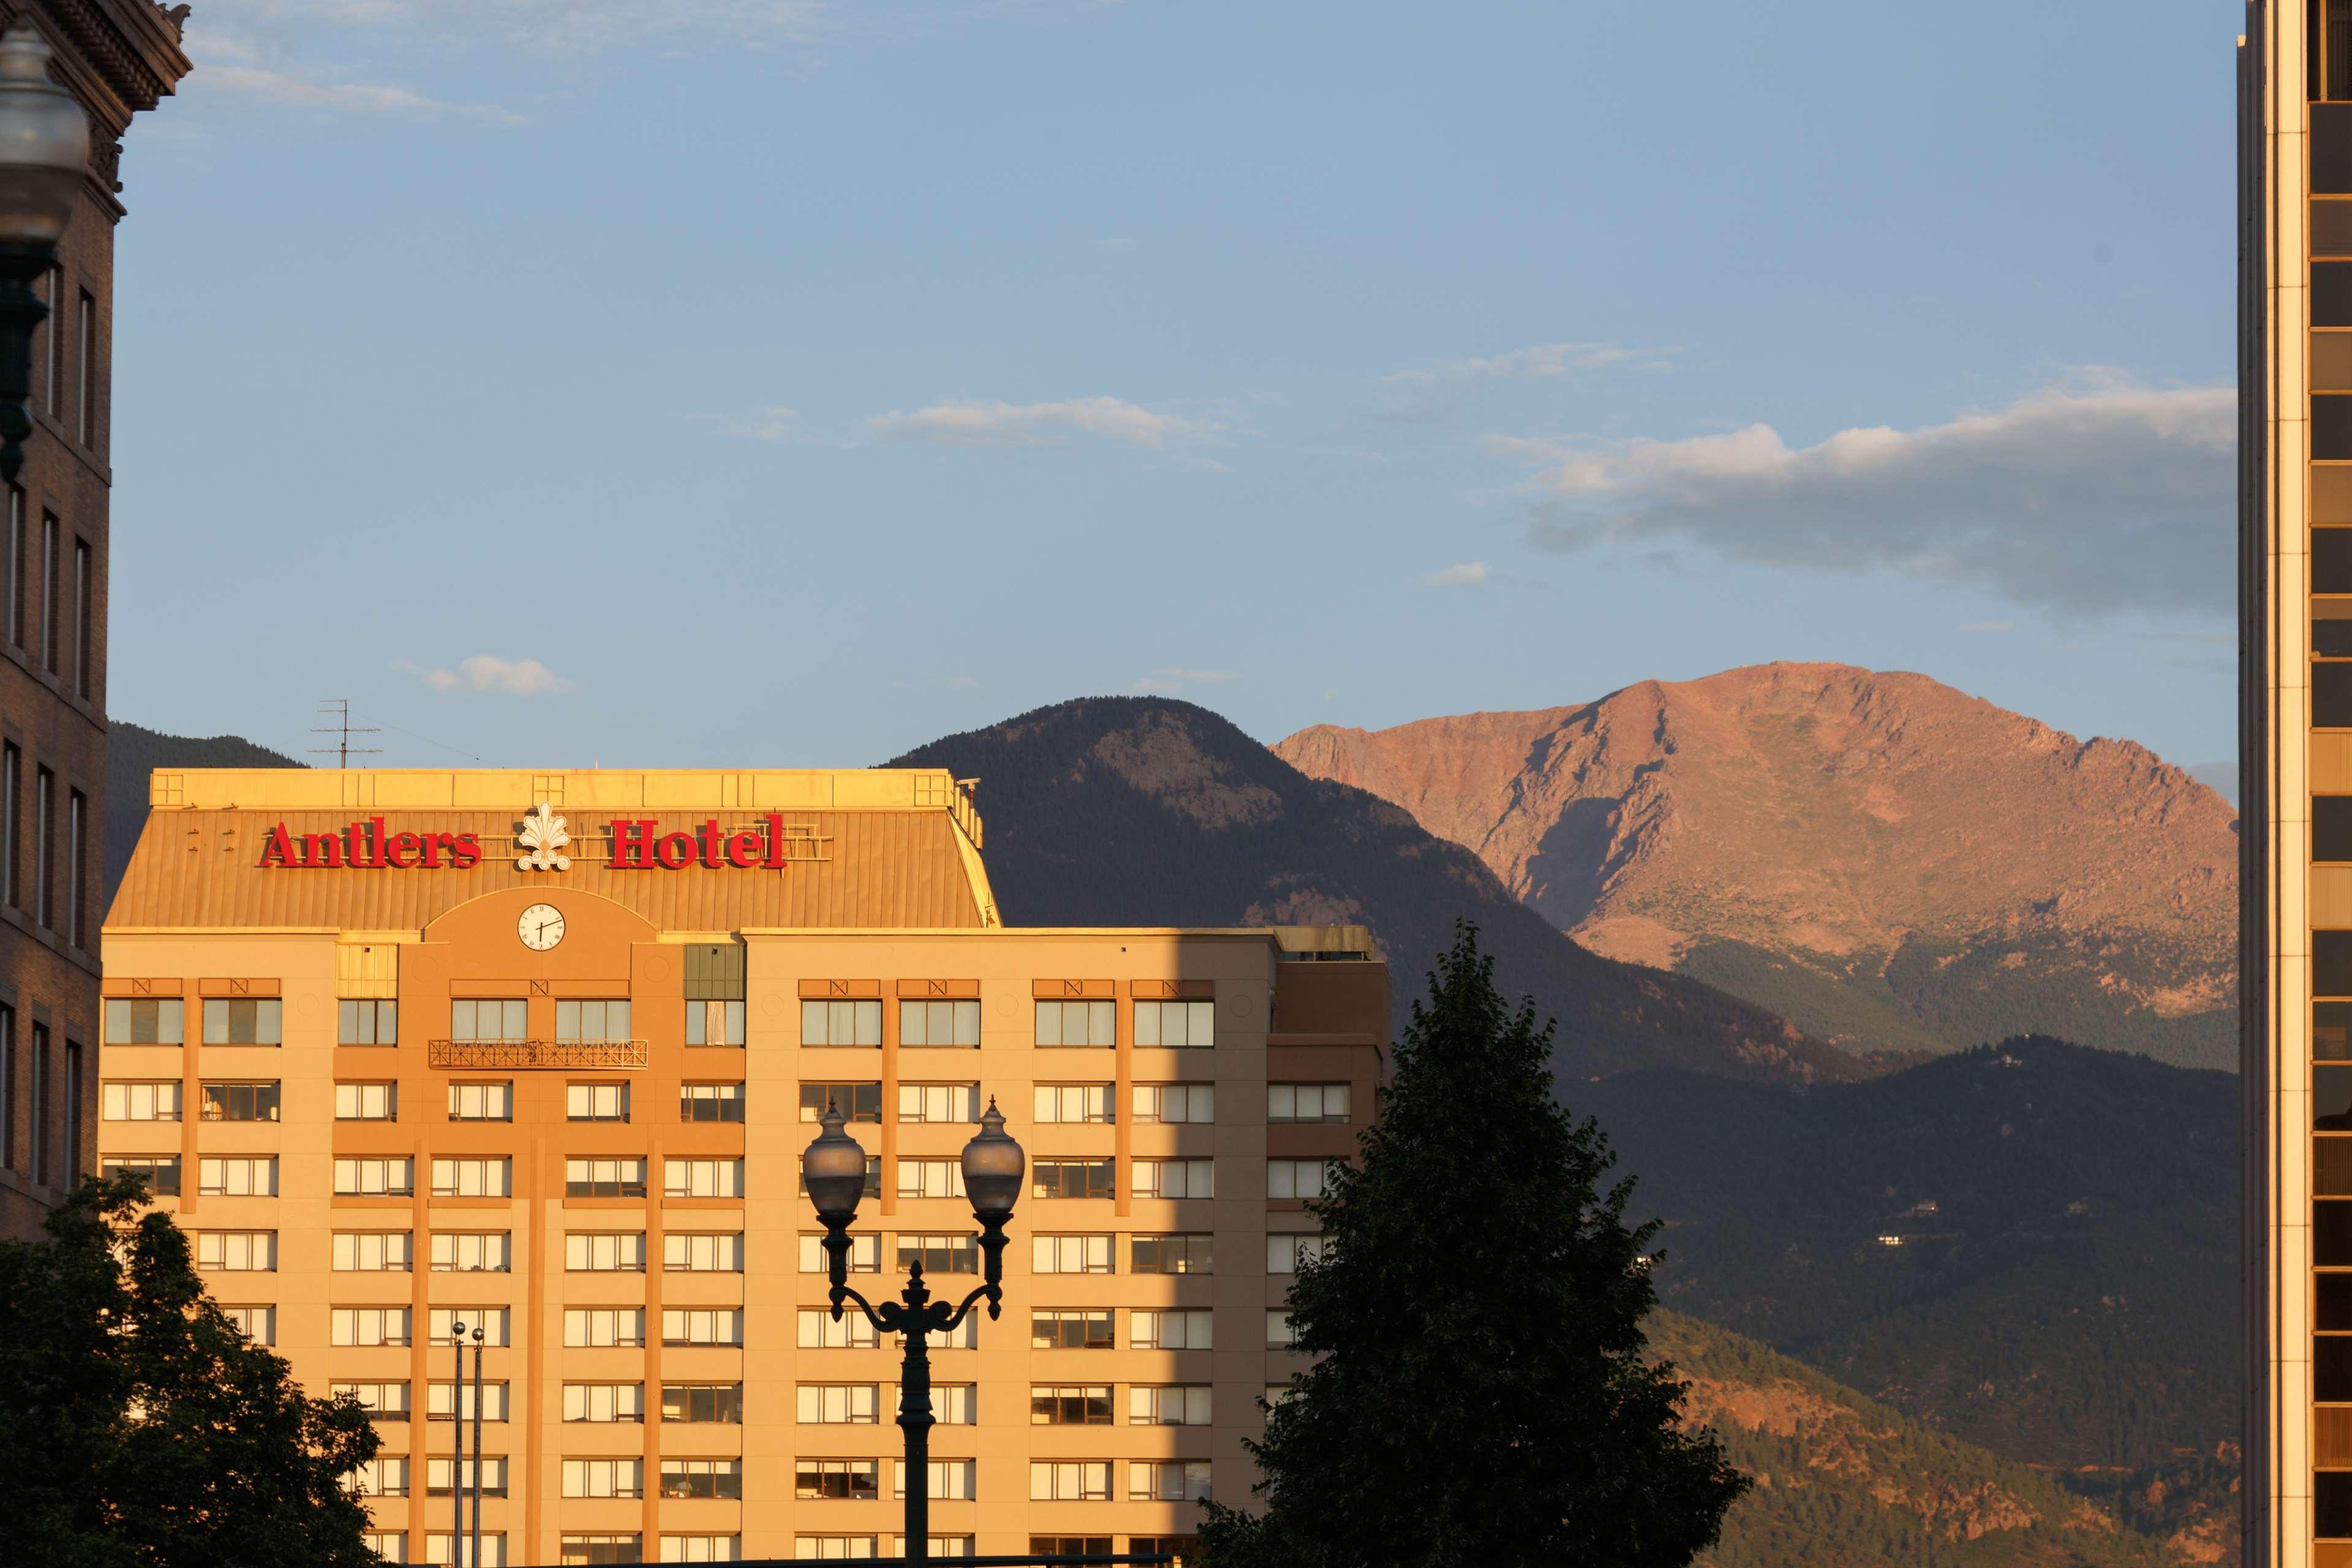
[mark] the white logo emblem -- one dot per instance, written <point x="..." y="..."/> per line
<point x="543" y="834"/>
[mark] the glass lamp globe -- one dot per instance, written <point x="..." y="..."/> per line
<point x="834" y="1167"/>
<point x="44" y="143"/>
<point x="992" y="1168"/>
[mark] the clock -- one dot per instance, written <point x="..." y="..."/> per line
<point x="540" y="927"/>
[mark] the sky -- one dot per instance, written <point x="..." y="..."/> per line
<point x="686" y="382"/>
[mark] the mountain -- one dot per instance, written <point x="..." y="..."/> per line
<point x="1147" y="811"/>
<point x="132" y="753"/>
<point x="1881" y="860"/>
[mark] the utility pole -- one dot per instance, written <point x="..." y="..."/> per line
<point x="339" y="709"/>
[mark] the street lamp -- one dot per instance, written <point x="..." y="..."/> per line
<point x="44" y="151"/>
<point x="834" y="1169"/>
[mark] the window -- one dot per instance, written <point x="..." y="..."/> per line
<point x="941" y="1253"/>
<point x="604" y="1477"/>
<point x="39" y="1120"/>
<point x="952" y="1404"/>
<point x="77" y="854"/>
<point x="716" y="1023"/>
<point x="710" y="1102"/>
<point x="604" y="1326"/>
<point x="251" y="1176"/>
<point x="1306" y="1102"/>
<point x="1176" y="1102"/>
<point x="603" y="1178"/>
<point x="1170" y="1331"/>
<point x="73" y="1118"/>
<point x="1069" y="1405"/>
<point x="12" y="770"/>
<point x="1071" y="1179"/>
<point x="442" y="1549"/>
<point x="1175" y="1178"/>
<point x="142" y="1021"/>
<point x="702" y="1479"/>
<point x="603" y="1401"/>
<point x="86" y="371"/>
<point x="1071" y="1545"/>
<point x="1071" y="1329"/>
<point x="1175" y="1023"/>
<point x="241" y="1020"/>
<point x="702" y="1549"/>
<point x="8" y="1093"/>
<point x="48" y="649"/>
<point x="938" y="1102"/>
<point x="481" y="1102"/>
<point x="1284" y="1253"/>
<point x="597" y="1103"/>
<point x="719" y="1402"/>
<point x="258" y="1324"/>
<point x="370" y="1251"/>
<point x="441" y="1475"/>
<point x="161" y="1172"/>
<point x="841" y="1023"/>
<point x="383" y="1401"/>
<point x="140" y="1101"/>
<point x="238" y="1251"/>
<point x="482" y="1178"/>
<point x="837" y="1404"/>
<point x="610" y="1252"/>
<point x="441" y="1325"/>
<point x="368" y="1326"/>
<point x="53" y="343"/>
<point x="1069" y="1102"/>
<point x="702" y="1178"/>
<point x="930" y="1178"/>
<point x="85" y="587"/>
<point x="1297" y="1178"/>
<point x="1069" y="1480"/>
<point x="365" y="1023"/>
<point x="1183" y="1405"/>
<point x="592" y="1020"/>
<point x="473" y="1251"/>
<point x="1280" y="1334"/>
<point x="11" y="570"/>
<point x="588" y="1550"/>
<point x="391" y="1545"/>
<point x="45" y="795"/>
<point x="1167" y="1481"/>
<point x="939" y="1023"/>
<point x="364" y="1178"/>
<point x="1169" y="1254"/>
<point x="865" y="1254"/>
<point x="1069" y="1255"/>
<point x="446" y="1401"/>
<point x="1077" y="1023"/>
<point x="953" y="1480"/>
<point x="844" y="1481"/>
<point x="820" y="1331"/>
<point x="250" y="1101"/>
<point x="703" y="1325"/>
<point x="504" y="1018"/>
<point x="367" y="1101"/>
<point x="856" y="1101"/>
<point x="831" y="1548"/>
<point x="379" y="1477"/>
<point x="703" y="1252"/>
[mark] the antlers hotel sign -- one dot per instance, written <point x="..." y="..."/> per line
<point x="637" y="844"/>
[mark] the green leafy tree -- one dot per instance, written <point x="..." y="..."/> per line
<point x="1484" y="1397"/>
<point x="139" y="1428"/>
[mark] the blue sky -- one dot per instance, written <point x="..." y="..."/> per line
<point x="689" y="382"/>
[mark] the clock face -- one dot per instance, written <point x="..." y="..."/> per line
<point x="540" y="927"/>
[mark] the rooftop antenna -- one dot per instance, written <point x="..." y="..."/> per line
<point x="339" y="709"/>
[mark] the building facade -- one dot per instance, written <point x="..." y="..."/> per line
<point x="117" y="57"/>
<point x="542" y="1050"/>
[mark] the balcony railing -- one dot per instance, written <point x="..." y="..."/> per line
<point x="528" y="1056"/>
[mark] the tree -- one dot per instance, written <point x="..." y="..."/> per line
<point x="139" y="1428"/>
<point x="1483" y="1397"/>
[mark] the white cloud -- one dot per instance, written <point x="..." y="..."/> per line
<point x="1546" y="360"/>
<point x="483" y="672"/>
<point x="1989" y="627"/>
<point x="2096" y="496"/>
<point x="340" y="97"/>
<point x="773" y="422"/>
<point x="1462" y="574"/>
<point x="1034" y="424"/>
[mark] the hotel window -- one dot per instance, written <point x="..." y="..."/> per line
<point x="1077" y="1023"/>
<point x="250" y="1177"/>
<point x="820" y="1331"/>
<point x="141" y="1102"/>
<point x="865" y="1254"/>
<point x="710" y="1102"/>
<point x="442" y="1475"/>
<point x="596" y="1102"/>
<point x="258" y="1324"/>
<point x="603" y="1178"/>
<point x="12" y="776"/>
<point x="856" y="1101"/>
<point x="1070" y="1546"/>
<point x="952" y="1404"/>
<point x="606" y="1252"/>
<point x="159" y="1171"/>
<point x="53" y="343"/>
<point x="360" y="1022"/>
<point x="379" y="1477"/>
<point x="1175" y="1023"/>
<point x="383" y="1401"/>
<point x="841" y="1023"/>
<point x="832" y="1548"/>
<point x="844" y="1480"/>
<point x="714" y="1023"/>
<point x="1170" y="1254"/>
<point x="1069" y="1255"/>
<point x="75" y="1164"/>
<point x="443" y="1401"/>
<point x="386" y="1178"/>
<point x="374" y="1251"/>
<point x="706" y="1402"/>
<point x="702" y="1178"/>
<point x="702" y="1479"/>
<point x="1069" y="1480"/>
<point x="603" y="1401"/>
<point x="473" y="1251"/>
<point x="1175" y="1178"/>
<point x="1187" y="1331"/>
<point x="592" y="1020"/>
<point x="1306" y="1102"/>
<point x="241" y="1102"/>
<point x="1184" y="1405"/>
<point x="604" y="1477"/>
<point x="142" y="1021"/>
<point x="601" y="1326"/>
<point x="441" y="1551"/>
<point x="930" y="1178"/>
<point x="86" y="377"/>
<point x="48" y="648"/>
<point x="1301" y="1179"/>
<point x="238" y="1251"/>
<point x="1280" y="1334"/>
<point x="441" y="1325"/>
<point x="947" y="1254"/>
<point x="1167" y="1481"/>
<point x="702" y="1325"/>
<point x="368" y="1326"/>
<point x="481" y="1102"/>
<point x="1069" y="1405"/>
<point x="495" y="1018"/>
<point x="482" y="1178"/>
<point x="938" y="1102"/>
<point x="45" y="796"/>
<point x="939" y="1023"/>
<point x="241" y="1020"/>
<point x="839" y="1404"/>
<point x="1181" y="1104"/>
<point x="1073" y="1102"/>
<point x="703" y="1252"/>
<point x="8" y="1090"/>
<point x="1284" y="1253"/>
<point x="590" y="1551"/>
<point x="702" y="1549"/>
<point x="85" y="586"/>
<point x="954" y="1481"/>
<point x="873" y="1177"/>
<point x="392" y="1545"/>
<point x="1071" y="1329"/>
<point x="11" y="570"/>
<point x="38" y="1121"/>
<point x="1071" y="1179"/>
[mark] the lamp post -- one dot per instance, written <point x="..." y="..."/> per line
<point x="44" y="151"/>
<point x="834" y="1169"/>
<point x="457" y="1426"/>
<point x="475" y="1556"/>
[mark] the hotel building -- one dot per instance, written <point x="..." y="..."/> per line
<point x="542" y="1051"/>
